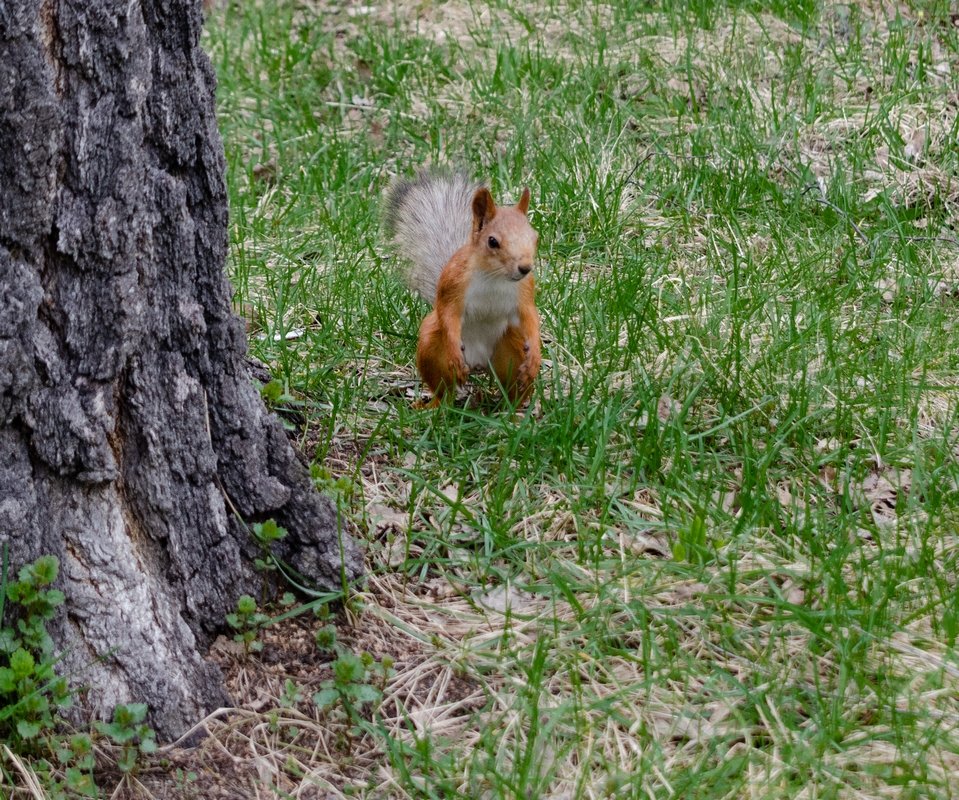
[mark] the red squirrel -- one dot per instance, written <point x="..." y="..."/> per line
<point x="473" y="261"/>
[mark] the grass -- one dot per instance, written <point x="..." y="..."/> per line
<point x="718" y="556"/>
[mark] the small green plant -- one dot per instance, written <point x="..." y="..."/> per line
<point x="350" y="685"/>
<point x="31" y="693"/>
<point x="282" y="403"/>
<point x="30" y="690"/>
<point x="342" y="488"/>
<point x="274" y="393"/>
<point x="292" y="694"/>
<point x="291" y="697"/>
<point x="129" y="731"/>
<point x="265" y="534"/>
<point x="184" y="780"/>
<point x="326" y="639"/>
<point x="75" y="756"/>
<point x="247" y="621"/>
<point x="37" y="605"/>
<point x="66" y="769"/>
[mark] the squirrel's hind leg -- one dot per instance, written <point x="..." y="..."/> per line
<point x="433" y="363"/>
<point x="516" y="362"/>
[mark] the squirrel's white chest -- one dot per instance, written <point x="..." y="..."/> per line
<point x="492" y="304"/>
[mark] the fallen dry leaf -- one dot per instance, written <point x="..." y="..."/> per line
<point x="508" y="598"/>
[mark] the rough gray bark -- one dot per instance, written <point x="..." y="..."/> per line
<point x="126" y="409"/>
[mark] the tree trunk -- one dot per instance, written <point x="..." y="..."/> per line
<point x="131" y="429"/>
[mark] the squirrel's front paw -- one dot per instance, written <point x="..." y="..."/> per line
<point x="526" y="365"/>
<point x="458" y="364"/>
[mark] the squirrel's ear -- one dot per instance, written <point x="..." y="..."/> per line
<point x="523" y="205"/>
<point x="483" y="209"/>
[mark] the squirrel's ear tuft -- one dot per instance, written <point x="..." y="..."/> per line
<point x="523" y="205"/>
<point x="483" y="209"/>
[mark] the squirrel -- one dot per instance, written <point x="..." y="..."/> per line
<point x="473" y="262"/>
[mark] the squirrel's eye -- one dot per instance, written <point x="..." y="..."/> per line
<point x="493" y="242"/>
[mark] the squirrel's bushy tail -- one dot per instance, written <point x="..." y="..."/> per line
<point x="428" y="219"/>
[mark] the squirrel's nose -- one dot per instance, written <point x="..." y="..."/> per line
<point x="524" y="269"/>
